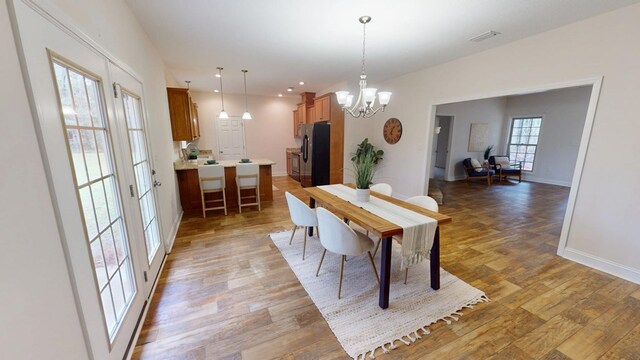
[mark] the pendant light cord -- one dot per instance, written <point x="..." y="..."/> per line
<point x="364" y="38"/>
<point x="221" y="92"/>
<point x="246" y="106"/>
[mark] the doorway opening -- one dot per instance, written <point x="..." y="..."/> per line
<point x="545" y="128"/>
<point x="441" y="146"/>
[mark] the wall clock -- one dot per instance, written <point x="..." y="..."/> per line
<point x="392" y="131"/>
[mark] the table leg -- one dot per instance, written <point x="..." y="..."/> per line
<point x="385" y="272"/>
<point x="435" y="261"/>
<point x="312" y="204"/>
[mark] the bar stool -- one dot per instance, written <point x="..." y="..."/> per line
<point x="212" y="181"/>
<point x="247" y="178"/>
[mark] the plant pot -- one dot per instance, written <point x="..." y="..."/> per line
<point x="363" y="195"/>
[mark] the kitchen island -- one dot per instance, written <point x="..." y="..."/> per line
<point x="189" y="183"/>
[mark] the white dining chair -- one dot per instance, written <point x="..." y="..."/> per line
<point x="425" y="202"/>
<point x="301" y="215"/>
<point x="212" y="181"/>
<point x="337" y="237"/>
<point x="248" y="178"/>
<point x="382" y="188"/>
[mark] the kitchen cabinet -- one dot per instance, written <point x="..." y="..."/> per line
<point x="296" y="122"/>
<point x="289" y="163"/>
<point x="302" y="113"/>
<point x="184" y="115"/>
<point x="323" y="108"/>
<point x="311" y="114"/>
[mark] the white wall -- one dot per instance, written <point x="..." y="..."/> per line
<point x="600" y="46"/>
<point x="39" y="317"/>
<point x="489" y="111"/>
<point x="38" y="312"/>
<point x="564" y="112"/>
<point x="267" y="135"/>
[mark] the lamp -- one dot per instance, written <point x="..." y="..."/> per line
<point x="364" y="106"/>
<point x="246" y="115"/>
<point x="223" y="114"/>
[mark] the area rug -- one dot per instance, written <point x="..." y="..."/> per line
<point x="360" y="325"/>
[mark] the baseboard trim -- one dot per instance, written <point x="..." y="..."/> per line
<point x="610" y="267"/>
<point x="280" y="173"/>
<point x="545" y="181"/>
<point x="145" y="311"/>
<point x="173" y="233"/>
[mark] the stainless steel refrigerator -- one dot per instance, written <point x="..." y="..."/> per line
<point x="315" y="156"/>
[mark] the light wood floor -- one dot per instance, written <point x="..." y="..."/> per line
<point x="227" y="293"/>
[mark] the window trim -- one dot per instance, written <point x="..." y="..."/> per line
<point x="510" y="135"/>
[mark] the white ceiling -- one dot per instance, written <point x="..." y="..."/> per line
<point x="282" y="42"/>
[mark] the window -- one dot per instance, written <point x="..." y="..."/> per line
<point x="523" y="141"/>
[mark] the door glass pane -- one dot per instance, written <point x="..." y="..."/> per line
<point x="142" y="171"/>
<point x="90" y="152"/>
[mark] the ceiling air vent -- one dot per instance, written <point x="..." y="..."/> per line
<point x="484" y="36"/>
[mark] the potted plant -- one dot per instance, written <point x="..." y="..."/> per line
<point x="364" y="162"/>
<point x="487" y="153"/>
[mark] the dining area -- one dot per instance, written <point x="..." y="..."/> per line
<point x="375" y="218"/>
<point x="372" y="267"/>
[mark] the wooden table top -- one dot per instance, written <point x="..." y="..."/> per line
<point x="370" y="222"/>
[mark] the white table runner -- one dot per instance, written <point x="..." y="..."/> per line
<point x="418" y="230"/>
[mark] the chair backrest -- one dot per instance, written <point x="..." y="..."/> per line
<point x="426" y="202"/>
<point x="467" y="164"/>
<point x="501" y="160"/>
<point x="211" y="177"/>
<point x="301" y="214"/>
<point x="336" y="236"/>
<point x="244" y="174"/>
<point x="382" y="188"/>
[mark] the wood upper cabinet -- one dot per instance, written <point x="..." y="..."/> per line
<point x="184" y="115"/>
<point x="195" y="121"/>
<point x="311" y="114"/>
<point x="302" y="113"/>
<point x="296" y="122"/>
<point x="323" y="108"/>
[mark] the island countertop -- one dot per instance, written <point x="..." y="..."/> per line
<point x="193" y="164"/>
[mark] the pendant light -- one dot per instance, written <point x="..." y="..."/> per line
<point x="364" y="105"/>
<point x="246" y="115"/>
<point x="223" y="114"/>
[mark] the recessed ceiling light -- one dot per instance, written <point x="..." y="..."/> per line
<point x="290" y="89"/>
<point x="301" y="83"/>
<point x="279" y="95"/>
<point x="216" y="90"/>
<point x="218" y="75"/>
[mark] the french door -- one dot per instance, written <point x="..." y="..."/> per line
<point x="96" y="155"/>
<point x="131" y="122"/>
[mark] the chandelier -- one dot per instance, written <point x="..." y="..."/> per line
<point x="364" y="106"/>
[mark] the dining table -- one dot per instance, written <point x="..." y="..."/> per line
<point x="382" y="228"/>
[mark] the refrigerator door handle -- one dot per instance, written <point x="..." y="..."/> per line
<point x="305" y="148"/>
